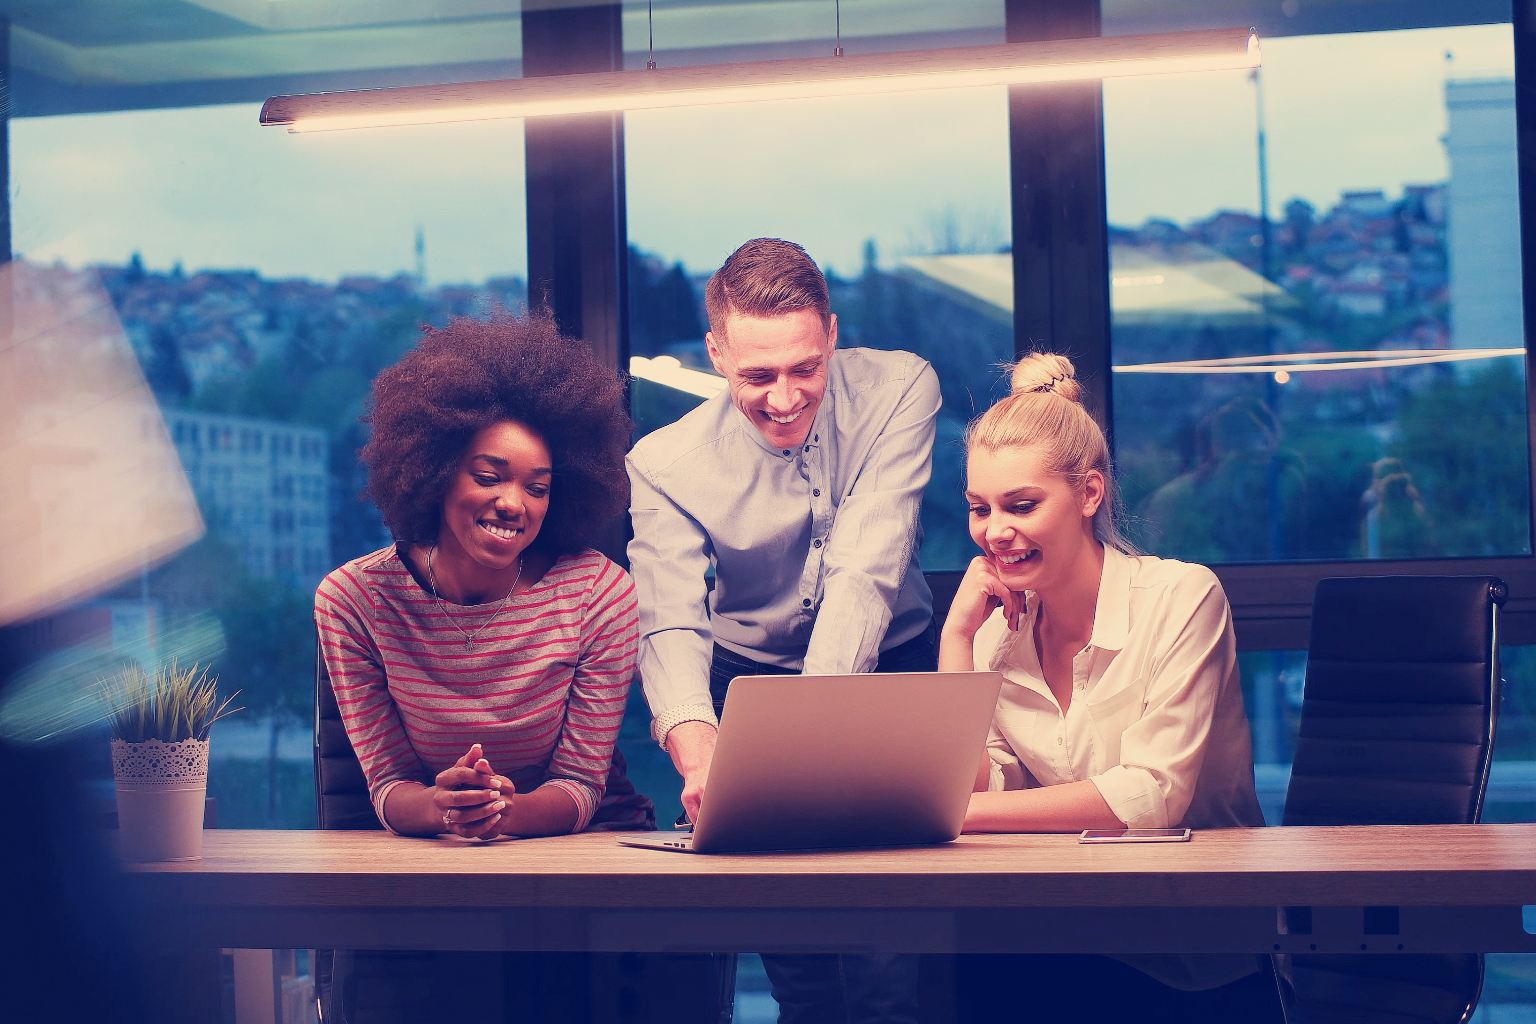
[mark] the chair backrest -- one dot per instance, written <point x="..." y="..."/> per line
<point x="1397" y="727"/>
<point x="341" y="791"/>
<point x="1402" y="690"/>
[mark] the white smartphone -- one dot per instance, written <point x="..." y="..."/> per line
<point x="1134" y="835"/>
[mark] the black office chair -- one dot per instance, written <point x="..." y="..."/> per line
<point x="341" y="802"/>
<point x="1397" y="727"/>
<point x="341" y="792"/>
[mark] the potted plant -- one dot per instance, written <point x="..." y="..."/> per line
<point x="160" y="724"/>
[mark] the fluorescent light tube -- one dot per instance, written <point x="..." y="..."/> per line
<point x="1060" y="60"/>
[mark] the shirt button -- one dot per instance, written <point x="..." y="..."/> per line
<point x="816" y="543"/>
<point x="816" y="492"/>
<point x="816" y="437"/>
<point x="805" y="602"/>
<point x="786" y="452"/>
<point x="1059" y="741"/>
<point x="806" y="448"/>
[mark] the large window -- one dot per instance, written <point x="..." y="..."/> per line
<point x="1317" y="333"/>
<point x="1317" y="350"/>
<point x="261" y="280"/>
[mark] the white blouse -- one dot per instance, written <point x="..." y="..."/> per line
<point x="1156" y="717"/>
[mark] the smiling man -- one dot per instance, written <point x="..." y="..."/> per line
<point x="799" y="488"/>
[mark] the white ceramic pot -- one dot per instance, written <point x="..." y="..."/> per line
<point x="160" y="793"/>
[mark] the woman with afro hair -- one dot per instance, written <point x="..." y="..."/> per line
<point x="481" y="663"/>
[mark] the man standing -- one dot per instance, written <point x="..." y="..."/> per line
<point x="799" y="486"/>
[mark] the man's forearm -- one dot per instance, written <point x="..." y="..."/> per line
<point x="691" y="746"/>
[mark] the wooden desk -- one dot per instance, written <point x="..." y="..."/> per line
<point x="1375" y="889"/>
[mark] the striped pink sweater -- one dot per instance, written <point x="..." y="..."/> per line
<point x="543" y="690"/>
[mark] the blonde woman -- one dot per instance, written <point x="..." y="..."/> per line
<point x="1121" y="706"/>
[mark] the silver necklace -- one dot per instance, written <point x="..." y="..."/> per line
<point x="469" y="638"/>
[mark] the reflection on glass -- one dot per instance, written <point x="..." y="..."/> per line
<point x="79" y="424"/>
<point x="261" y="282"/>
<point x="1343" y="379"/>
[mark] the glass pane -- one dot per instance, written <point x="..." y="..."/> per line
<point x="75" y="56"/>
<point x="260" y="280"/>
<point x="1316" y="281"/>
<point x="1509" y="985"/>
<point x="1272" y="687"/>
<point x="905" y="234"/>
<point x="685" y="32"/>
<point x="1294" y="17"/>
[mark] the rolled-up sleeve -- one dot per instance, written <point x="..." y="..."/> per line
<point x="1162" y="752"/>
<point x="669" y="559"/>
<point x="870" y="545"/>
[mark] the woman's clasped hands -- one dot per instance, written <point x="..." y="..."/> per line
<point x="475" y="802"/>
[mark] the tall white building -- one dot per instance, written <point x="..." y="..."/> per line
<point x="1484" y="214"/>
<point x="264" y="485"/>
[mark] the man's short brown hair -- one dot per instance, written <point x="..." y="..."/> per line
<point x="766" y="277"/>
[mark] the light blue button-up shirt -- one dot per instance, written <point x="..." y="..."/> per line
<point x="814" y="548"/>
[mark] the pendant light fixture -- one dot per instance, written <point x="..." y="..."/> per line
<point x="1058" y="60"/>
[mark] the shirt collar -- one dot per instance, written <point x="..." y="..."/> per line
<point x="1112" y="611"/>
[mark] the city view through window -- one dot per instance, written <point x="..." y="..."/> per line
<point x="1342" y="378"/>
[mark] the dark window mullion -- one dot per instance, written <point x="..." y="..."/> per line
<point x="577" y="237"/>
<point x="577" y="230"/>
<point x="1060" y="235"/>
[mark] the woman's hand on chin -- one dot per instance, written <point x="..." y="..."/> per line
<point x="980" y="594"/>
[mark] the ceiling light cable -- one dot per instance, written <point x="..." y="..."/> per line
<point x="650" y="39"/>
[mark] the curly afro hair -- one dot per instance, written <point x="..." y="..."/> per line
<point x="462" y="378"/>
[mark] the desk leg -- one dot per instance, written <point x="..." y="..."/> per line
<point x="255" y="986"/>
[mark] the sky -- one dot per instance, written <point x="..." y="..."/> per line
<point x="208" y="188"/>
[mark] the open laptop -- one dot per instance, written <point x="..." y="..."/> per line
<point x="820" y="762"/>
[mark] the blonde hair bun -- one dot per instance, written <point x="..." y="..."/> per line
<point x="1046" y="372"/>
